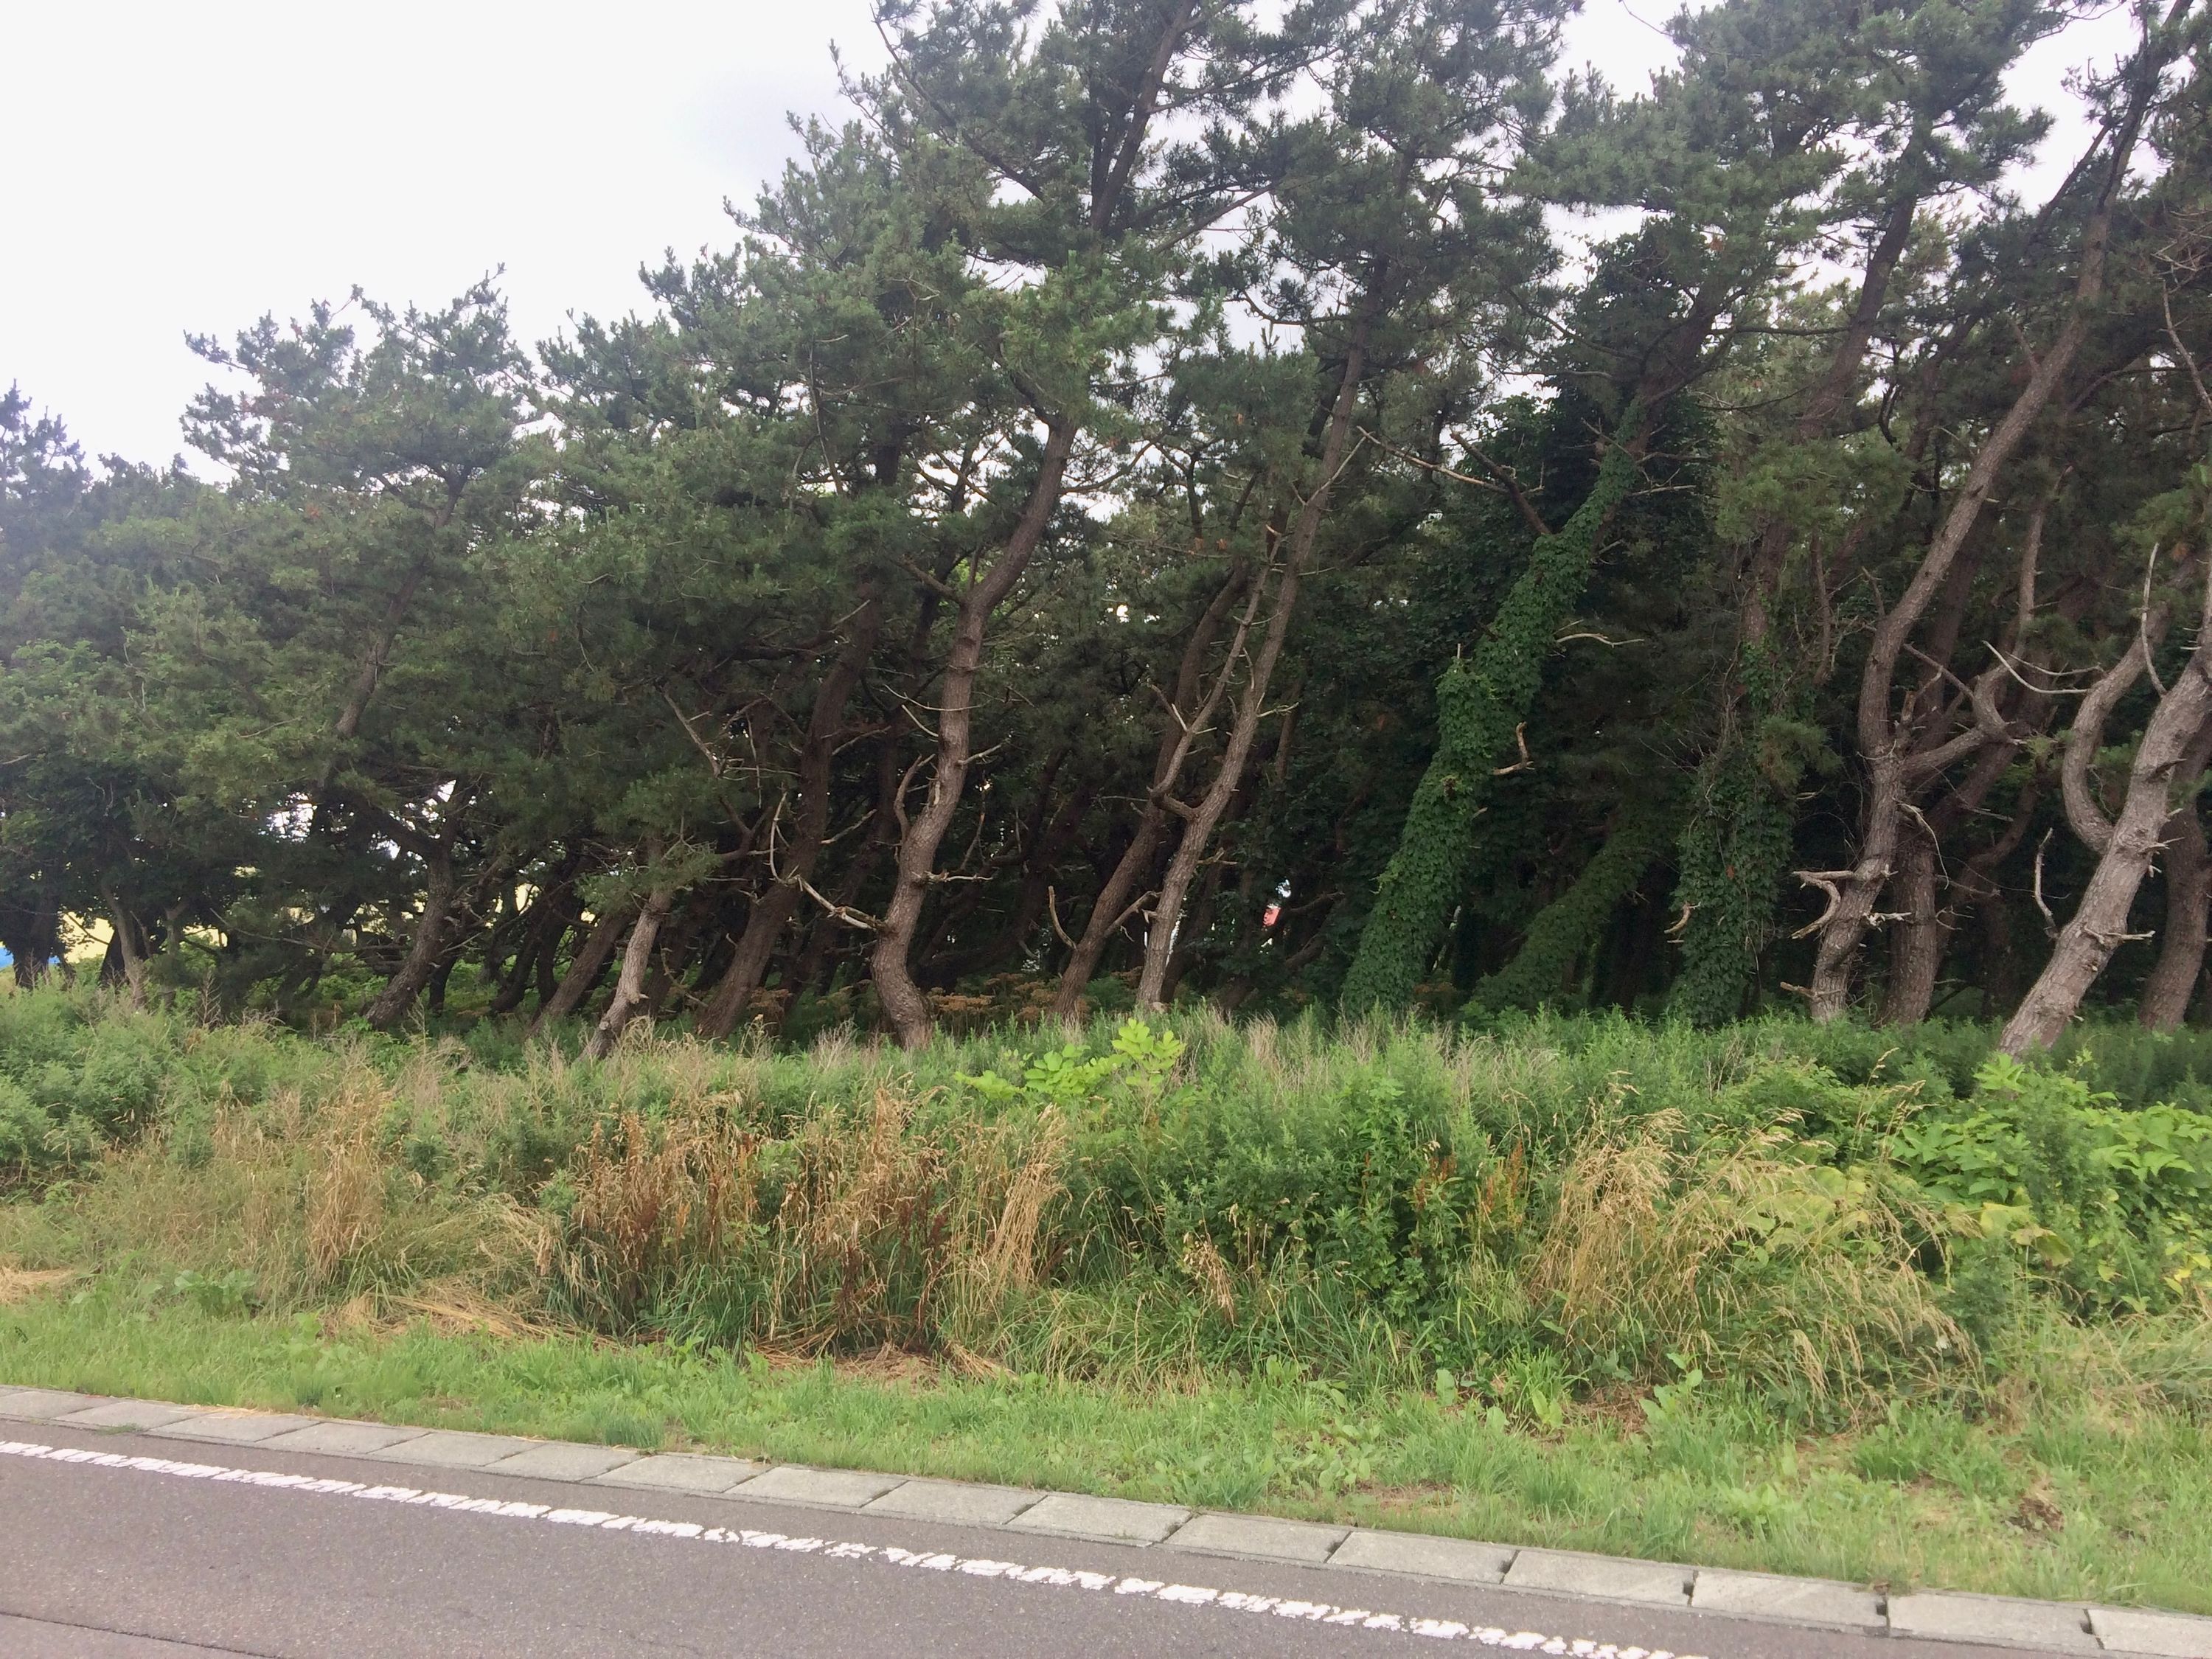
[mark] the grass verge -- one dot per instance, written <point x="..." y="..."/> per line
<point x="2085" y="1500"/>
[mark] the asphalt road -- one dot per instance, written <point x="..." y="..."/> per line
<point x="105" y="1563"/>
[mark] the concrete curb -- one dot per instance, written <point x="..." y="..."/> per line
<point x="1988" y="1620"/>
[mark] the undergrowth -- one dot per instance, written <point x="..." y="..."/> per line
<point x="1539" y="1214"/>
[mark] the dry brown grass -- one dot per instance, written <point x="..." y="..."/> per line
<point x="1012" y="1254"/>
<point x="22" y="1284"/>
<point x="345" y="1195"/>
<point x="1747" y="1259"/>
<point x="1203" y="1265"/>
<point x="654" y="1200"/>
<point x="453" y="1307"/>
<point x="870" y="1228"/>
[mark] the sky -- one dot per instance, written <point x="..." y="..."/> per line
<point x="186" y="169"/>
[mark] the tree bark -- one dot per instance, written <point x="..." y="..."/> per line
<point x="1185" y="955"/>
<point x="554" y="911"/>
<point x="32" y="938"/>
<point x="2099" y="922"/>
<point x="549" y="958"/>
<point x="631" y="985"/>
<point x="584" y="970"/>
<point x="1917" y="945"/>
<point x="1481" y="700"/>
<point x="1116" y="153"/>
<point x="1922" y="939"/>
<point x="1732" y="855"/>
<point x="771" y="913"/>
<point x="1560" y="932"/>
<point x="2172" y="981"/>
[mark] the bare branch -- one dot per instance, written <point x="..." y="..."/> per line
<point x="1521" y="737"/>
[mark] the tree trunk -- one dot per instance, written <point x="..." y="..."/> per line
<point x="584" y="970"/>
<point x="1114" y="160"/>
<point x="1481" y="701"/>
<point x="1036" y="894"/>
<point x="434" y="993"/>
<point x="554" y="911"/>
<point x="1917" y="945"/>
<point x="1885" y="739"/>
<point x="2100" y="922"/>
<point x="1560" y="933"/>
<point x="1185" y="957"/>
<point x="30" y="927"/>
<point x="1735" y="843"/>
<point x="1922" y="939"/>
<point x="1200" y="822"/>
<point x="1631" y="969"/>
<point x="2172" y="981"/>
<point x="630" y="986"/>
<point x="772" y="912"/>
<point x="903" y="1001"/>
<point x="428" y="944"/>
<point x="1117" y="897"/>
<point x="549" y="956"/>
<point x="130" y="937"/>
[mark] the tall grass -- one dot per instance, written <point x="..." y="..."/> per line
<point x="1542" y="1211"/>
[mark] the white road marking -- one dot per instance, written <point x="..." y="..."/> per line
<point x="1193" y="1595"/>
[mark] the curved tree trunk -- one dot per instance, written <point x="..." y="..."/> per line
<point x="772" y="912"/>
<point x="1558" y="936"/>
<point x="554" y="912"/>
<point x="630" y="996"/>
<point x="1922" y="940"/>
<point x="1735" y="852"/>
<point x="903" y="1001"/>
<point x="1886" y="739"/>
<point x="130" y="940"/>
<point x="1916" y="943"/>
<point x="1201" y="821"/>
<point x="2100" y="922"/>
<point x="1116" y="156"/>
<point x="1479" y="702"/>
<point x="32" y="938"/>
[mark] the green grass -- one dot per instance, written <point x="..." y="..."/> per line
<point x="2055" y="1499"/>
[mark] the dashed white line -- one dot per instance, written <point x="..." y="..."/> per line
<point x="1156" y="1590"/>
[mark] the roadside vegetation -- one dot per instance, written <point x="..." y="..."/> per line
<point x="1123" y="801"/>
<point x="1886" y="1305"/>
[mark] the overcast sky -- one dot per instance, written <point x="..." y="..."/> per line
<point x="187" y="167"/>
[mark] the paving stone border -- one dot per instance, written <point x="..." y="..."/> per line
<point x="1989" y="1620"/>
